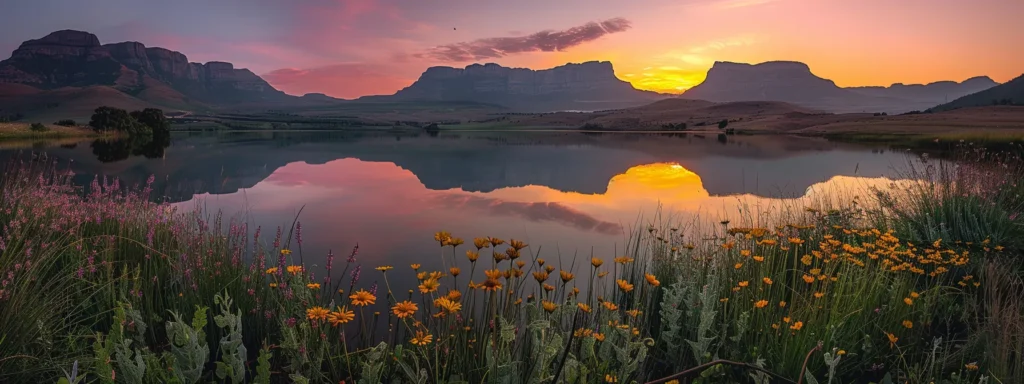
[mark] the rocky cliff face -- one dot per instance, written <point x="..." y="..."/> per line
<point x="586" y="86"/>
<point x="793" y="82"/>
<point x="76" y="59"/>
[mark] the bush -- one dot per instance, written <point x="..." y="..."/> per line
<point x="722" y="124"/>
<point x="38" y="127"/>
<point x="106" y="119"/>
<point x="66" y="123"/>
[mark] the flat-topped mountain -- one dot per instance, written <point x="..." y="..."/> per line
<point x="585" y="86"/>
<point x="152" y="75"/>
<point x="793" y="82"/>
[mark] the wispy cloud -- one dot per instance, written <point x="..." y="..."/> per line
<point x="543" y="41"/>
<point x="731" y="4"/>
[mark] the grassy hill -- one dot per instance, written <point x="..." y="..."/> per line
<point x="1009" y="93"/>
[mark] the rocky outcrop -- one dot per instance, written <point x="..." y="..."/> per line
<point x="586" y="86"/>
<point x="76" y="59"/>
<point x="793" y="82"/>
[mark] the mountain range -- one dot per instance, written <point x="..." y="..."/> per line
<point x="70" y="73"/>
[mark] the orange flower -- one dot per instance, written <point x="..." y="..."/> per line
<point x="549" y="306"/>
<point x="516" y="244"/>
<point x="415" y="267"/>
<point x="313" y="285"/>
<point x="767" y="280"/>
<point x="652" y="280"/>
<point x="610" y="306"/>
<point x="496" y="241"/>
<point x="540" y="276"/>
<point x="797" y="325"/>
<point x="583" y="307"/>
<point x="738" y="266"/>
<point x="908" y="324"/>
<point x="808" y="279"/>
<point x="448" y="304"/>
<point x="908" y="301"/>
<point x="491" y="285"/>
<point x="472" y="255"/>
<point x="493" y="273"/>
<point x="566" y="276"/>
<point x="421" y="338"/>
<point x="317" y="313"/>
<point x="759" y="259"/>
<point x="341" y="316"/>
<point x="549" y="287"/>
<point x="454" y="271"/>
<point x="429" y="285"/>
<point x="362" y="298"/>
<point x="761" y="304"/>
<point x="596" y="262"/>
<point x="404" y="309"/>
<point x="481" y="243"/>
<point x="624" y="285"/>
<point x="455" y="295"/>
<point x="743" y="283"/>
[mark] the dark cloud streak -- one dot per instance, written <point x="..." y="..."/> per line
<point x="543" y="41"/>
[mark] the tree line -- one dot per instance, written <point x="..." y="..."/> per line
<point x="147" y="122"/>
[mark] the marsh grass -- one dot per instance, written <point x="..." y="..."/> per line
<point x="134" y="291"/>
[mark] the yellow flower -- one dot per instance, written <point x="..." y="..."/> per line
<point x="596" y="262"/>
<point x="633" y="313"/>
<point x="455" y="241"/>
<point x="481" y="243"/>
<point x="404" y="309"/>
<point x="610" y="306"/>
<point x="841" y="352"/>
<point x="652" y="280"/>
<point x="806" y="259"/>
<point x="602" y="274"/>
<point x="472" y="255"/>
<point x="516" y="244"/>
<point x="566" y="276"/>
<point x="818" y="295"/>
<point x="317" y="313"/>
<point x="782" y="304"/>
<point x="971" y="366"/>
<point x="520" y="263"/>
<point x="808" y="279"/>
<point x="341" y="316"/>
<point x="272" y="285"/>
<point x="909" y="324"/>
<point x="384" y="268"/>
<point x="815" y="271"/>
<point x="761" y="304"/>
<point x="758" y="259"/>
<point x="442" y="237"/>
<point x="362" y="298"/>
<point x="743" y="283"/>
<point x="294" y="269"/>
<point x="797" y="325"/>
<point x="892" y="339"/>
<point x="491" y="285"/>
<point x="429" y="285"/>
<point x="540" y="276"/>
<point x="623" y="260"/>
<point x="745" y="253"/>
<point x="786" y="319"/>
<point x="548" y="287"/>
<point x="672" y="382"/>
<point x="448" y="304"/>
<point x="738" y="266"/>
<point x="549" y="306"/>
<point x="455" y="271"/>
<point x="454" y="295"/>
<point x="496" y="241"/>
<point x="272" y="271"/>
<point x="415" y="267"/>
<point x="908" y="301"/>
<point x="421" y="338"/>
<point x="583" y="307"/>
<point x="313" y="286"/>
<point x="286" y="252"/>
<point x="599" y="336"/>
<point x="624" y="285"/>
<point x="914" y="295"/>
<point x="767" y="280"/>
<point x="609" y="378"/>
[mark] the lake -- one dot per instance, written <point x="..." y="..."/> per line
<point x="567" y="194"/>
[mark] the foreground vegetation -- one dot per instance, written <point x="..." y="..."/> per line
<point x="918" y="285"/>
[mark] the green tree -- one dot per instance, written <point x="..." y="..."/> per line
<point x="106" y="119"/>
<point x="152" y="118"/>
<point x="722" y="124"/>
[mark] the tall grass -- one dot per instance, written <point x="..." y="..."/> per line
<point x="127" y="290"/>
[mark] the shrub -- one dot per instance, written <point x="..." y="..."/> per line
<point x="66" y="123"/>
<point x="722" y="124"/>
<point x="38" y="127"/>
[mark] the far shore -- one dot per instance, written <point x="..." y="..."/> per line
<point x="21" y="131"/>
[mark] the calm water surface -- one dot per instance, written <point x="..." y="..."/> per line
<point x="563" y="193"/>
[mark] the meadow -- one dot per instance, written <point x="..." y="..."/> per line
<point x="919" y="284"/>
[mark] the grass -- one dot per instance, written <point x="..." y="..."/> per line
<point x="13" y="131"/>
<point x="127" y="290"/>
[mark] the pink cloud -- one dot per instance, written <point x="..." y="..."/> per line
<point x="543" y="41"/>
<point x="338" y="80"/>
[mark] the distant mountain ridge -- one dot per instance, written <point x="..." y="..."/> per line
<point x="793" y="82"/>
<point x="152" y="75"/>
<point x="583" y="86"/>
<point x="1009" y="93"/>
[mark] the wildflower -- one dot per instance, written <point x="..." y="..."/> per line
<point x="761" y="304"/>
<point x="610" y="306"/>
<point x="286" y="252"/>
<point x="759" y="259"/>
<point x="782" y="304"/>
<point x="455" y="241"/>
<point x="808" y="279"/>
<point x="566" y="276"/>
<point x="496" y="241"/>
<point x="818" y="295"/>
<point x="421" y="338"/>
<point x="491" y="285"/>
<point x="841" y="352"/>
<point x="454" y="295"/>
<point x="415" y="267"/>
<point x="624" y="285"/>
<point x="599" y="336"/>
<point x="738" y="266"/>
<point x="583" y="307"/>
<point x="672" y="382"/>
<point x="633" y="313"/>
<point x="596" y="262"/>
<point x="516" y="244"/>
<point x="517" y="302"/>
<point x="313" y="286"/>
<point x="429" y="285"/>
<point x="652" y="280"/>
<point x="341" y="316"/>
<point x="914" y="295"/>
<point x="745" y="253"/>
<point x="797" y="326"/>
<point x="317" y="313"/>
<point x="602" y="274"/>
<point x="294" y="269"/>
<point x="972" y="366"/>
<point x="582" y="332"/>
<point x="404" y="309"/>
<point x="892" y="339"/>
<point x="448" y="304"/>
<point x="481" y="243"/>
<point x="815" y="271"/>
<point x="623" y="260"/>
<point x="908" y="324"/>
<point x="272" y="270"/>
<point x="512" y="253"/>
<point x="785" y="319"/>
<point x="472" y="256"/>
<point x="767" y="280"/>
<point x="723" y="300"/>
<point x="498" y="256"/>
<point x="540" y="262"/>
<point x="609" y="378"/>
<point x="549" y="306"/>
<point x="362" y="298"/>
<point x="908" y="301"/>
<point x="455" y="271"/>
<point x="442" y="237"/>
<point x="743" y="283"/>
<point x="548" y="287"/>
<point x="549" y="269"/>
<point x="272" y="285"/>
<point x="384" y="268"/>
<point x="540" y="276"/>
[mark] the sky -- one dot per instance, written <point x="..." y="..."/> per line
<point x="351" y="48"/>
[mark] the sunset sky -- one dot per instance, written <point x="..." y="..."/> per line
<point x="350" y="48"/>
